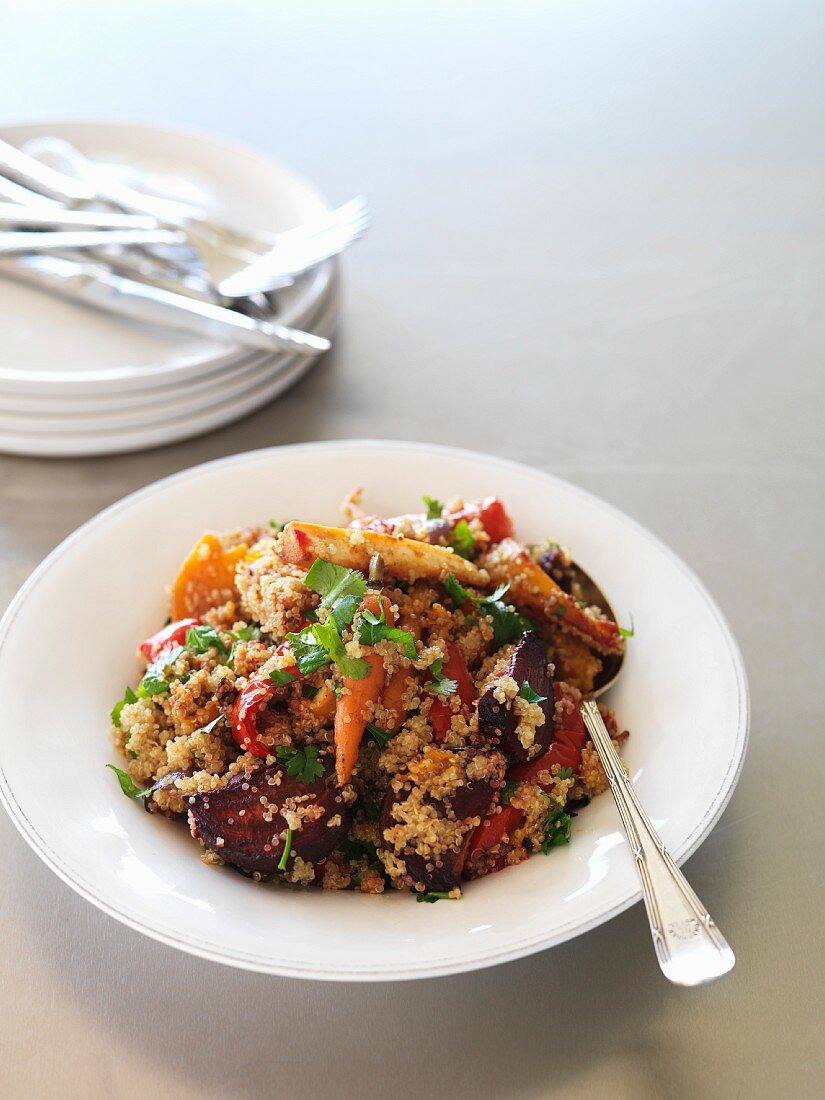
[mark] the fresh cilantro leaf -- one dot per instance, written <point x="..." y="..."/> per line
<point x="287" y="851"/>
<point x="354" y="849"/>
<point x="440" y="684"/>
<point x="249" y="633"/>
<point x="280" y="677"/>
<point x="625" y="633"/>
<point x="200" y="639"/>
<point x="126" y="784"/>
<point x="128" y="697"/>
<point x="308" y="654"/>
<point x="337" y="688"/>
<point x="343" y="611"/>
<point x="333" y="582"/>
<point x="328" y="638"/>
<point x="433" y="896"/>
<point x="381" y="737"/>
<point x="564" y="773"/>
<point x="154" y="680"/>
<point x="309" y="692"/>
<point x="372" y="811"/>
<point x="435" y="509"/>
<point x="311" y="615"/>
<point x="456" y="590"/>
<point x="508" y="624"/>
<point x="556" y="827"/>
<point x="303" y="764"/>
<point x="527" y="693"/>
<point x="508" y="790"/>
<point x="561" y="611"/>
<point x="463" y="540"/>
<point x="373" y="628"/>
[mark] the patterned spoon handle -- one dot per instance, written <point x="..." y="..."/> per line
<point x="690" y="948"/>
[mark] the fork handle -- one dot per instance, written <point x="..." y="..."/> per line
<point x="690" y="948"/>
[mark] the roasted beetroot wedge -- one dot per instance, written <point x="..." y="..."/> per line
<point x="460" y="787"/>
<point x="243" y="821"/>
<point x="498" y="721"/>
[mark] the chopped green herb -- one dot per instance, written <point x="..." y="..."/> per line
<point x="249" y="633"/>
<point x="354" y="849"/>
<point x="126" y="784"/>
<point x="287" y="851"/>
<point x="280" y="677"/>
<point x="435" y="509"/>
<point x="561" y="611"/>
<point x="341" y="589"/>
<point x="463" y="540"/>
<point x="276" y="526"/>
<point x="337" y="688"/>
<point x="154" y="681"/>
<point x="372" y="811"/>
<point x="200" y="639"/>
<point x="564" y="773"/>
<point x="381" y="737"/>
<point x="308" y="654"/>
<point x="308" y="691"/>
<point x="508" y="791"/>
<point x="527" y="693"/>
<point x="456" y="590"/>
<point x="373" y="628"/>
<point x="625" y="633"/>
<point x="440" y="684"/>
<point x="301" y="763"/>
<point x="328" y="638"/>
<point x="433" y="896"/>
<point x="556" y="828"/>
<point x="508" y="624"/>
<point x="128" y="697"/>
<point x="311" y="615"/>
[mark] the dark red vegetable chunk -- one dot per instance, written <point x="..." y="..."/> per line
<point x="497" y="721"/>
<point x="250" y="834"/>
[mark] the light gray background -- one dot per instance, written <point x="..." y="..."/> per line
<point x="598" y="248"/>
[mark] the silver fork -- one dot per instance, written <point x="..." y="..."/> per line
<point x="58" y="158"/>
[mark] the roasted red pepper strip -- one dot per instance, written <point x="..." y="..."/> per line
<point x="493" y="515"/>
<point x="251" y="700"/>
<point x="453" y="668"/>
<point x="171" y="635"/>
<point x="570" y="737"/>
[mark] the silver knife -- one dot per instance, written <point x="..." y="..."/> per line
<point x="95" y="285"/>
<point x="60" y="240"/>
<point x="55" y="217"/>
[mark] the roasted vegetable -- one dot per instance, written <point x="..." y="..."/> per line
<point x="498" y="721"/>
<point x="206" y="578"/>
<point x="173" y="634"/>
<point x="301" y="543"/>
<point x="449" y="790"/>
<point x="243" y="822"/>
<point x="454" y="668"/>
<point x="535" y="591"/>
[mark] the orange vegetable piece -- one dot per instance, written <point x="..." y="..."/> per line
<point x="207" y="577"/>
<point x="353" y="707"/>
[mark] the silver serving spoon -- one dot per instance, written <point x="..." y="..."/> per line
<point x="689" y="947"/>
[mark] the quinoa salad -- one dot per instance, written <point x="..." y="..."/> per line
<point x="390" y="704"/>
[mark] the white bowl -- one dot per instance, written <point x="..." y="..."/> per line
<point x="683" y="696"/>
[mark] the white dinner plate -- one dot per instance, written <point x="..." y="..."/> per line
<point x="186" y="400"/>
<point x="57" y="346"/>
<point x="276" y="376"/>
<point x="683" y="696"/>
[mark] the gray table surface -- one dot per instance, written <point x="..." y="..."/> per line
<point x="598" y="248"/>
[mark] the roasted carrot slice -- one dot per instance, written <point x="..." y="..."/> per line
<point x="301" y="543"/>
<point x="206" y="578"/>
<point x="352" y="711"/>
<point x="537" y="593"/>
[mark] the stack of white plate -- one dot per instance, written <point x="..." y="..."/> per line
<point x="76" y="381"/>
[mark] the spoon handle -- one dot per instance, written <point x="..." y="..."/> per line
<point x="690" y="948"/>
